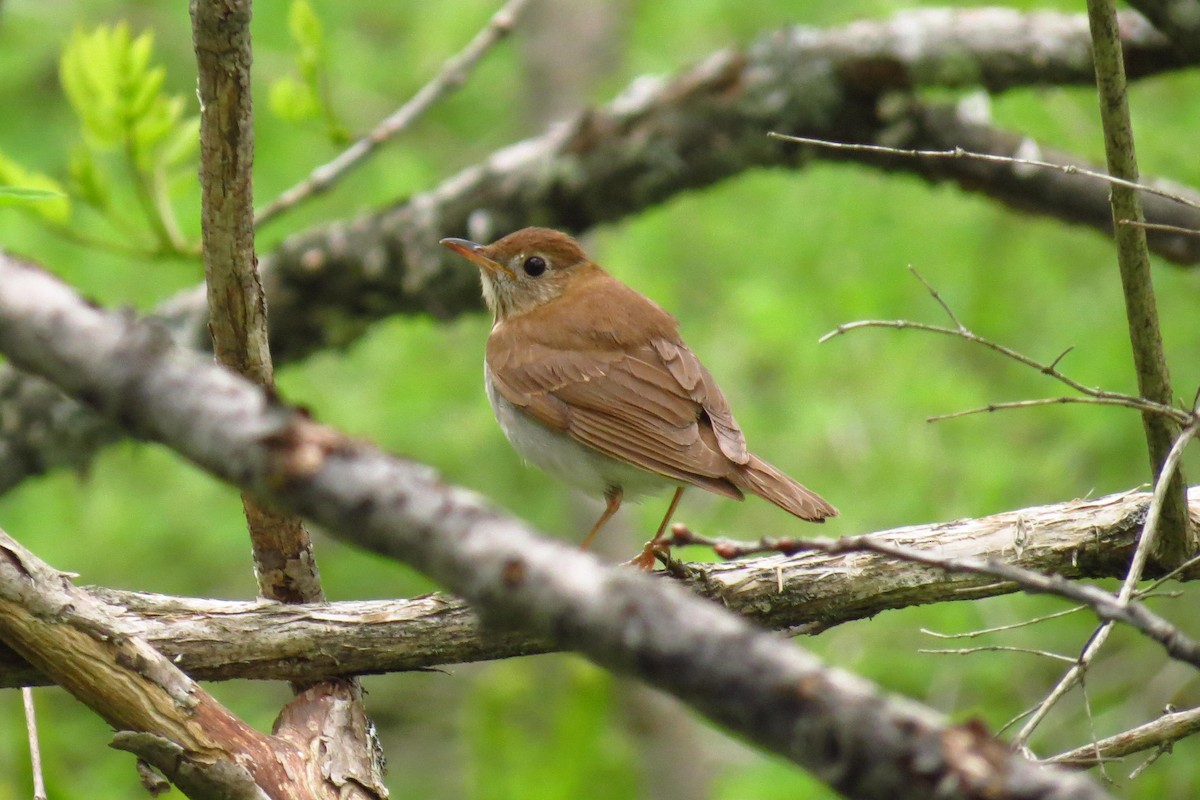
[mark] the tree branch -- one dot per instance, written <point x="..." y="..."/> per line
<point x="1178" y="19"/>
<point x="861" y="742"/>
<point x="1162" y="732"/>
<point x="803" y="594"/>
<point x="662" y="137"/>
<point x="184" y="732"/>
<point x="451" y="76"/>
<point x="284" y="563"/>
<point x="1176" y="540"/>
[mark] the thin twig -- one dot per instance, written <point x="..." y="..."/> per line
<point x="1124" y="597"/>
<point x="1185" y="566"/>
<point x="35" y="749"/>
<point x="1102" y="603"/>
<point x="283" y="554"/>
<point x="1128" y="401"/>
<point x="453" y="74"/>
<point x="1087" y="708"/>
<point x="1157" y="754"/>
<point x="960" y="153"/>
<point x="937" y="296"/>
<point x="1162" y="732"/>
<point x="1000" y="628"/>
<point x="996" y="648"/>
<point x="1014" y="720"/>
<point x="1102" y="396"/>
<point x="1161" y="226"/>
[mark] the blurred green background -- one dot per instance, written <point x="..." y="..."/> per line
<point x="756" y="269"/>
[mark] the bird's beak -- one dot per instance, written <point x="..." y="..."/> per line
<point x="471" y="251"/>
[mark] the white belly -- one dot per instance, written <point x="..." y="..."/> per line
<point x="561" y="457"/>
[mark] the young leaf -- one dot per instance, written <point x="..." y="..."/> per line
<point x="305" y="27"/>
<point x="293" y="100"/>
<point x="89" y="181"/>
<point x="22" y="194"/>
<point x="117" y="93"/>
<point x="42" y="194"/>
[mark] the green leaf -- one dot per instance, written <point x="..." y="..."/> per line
<point x="117" y="92"/>
<point x="293" y="100"/>
<point x="41" y="193"/>
<point x="89" y="182"/>
<point x="21" y="193"/>
<point x="305" y="28"/>
<point x="296" y="100"/>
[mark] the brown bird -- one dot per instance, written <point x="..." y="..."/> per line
<point x="591" y="382"/>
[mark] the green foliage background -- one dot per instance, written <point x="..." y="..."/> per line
<point x="756" y="269"/>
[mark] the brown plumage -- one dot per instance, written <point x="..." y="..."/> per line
<point x="588" y="361"/>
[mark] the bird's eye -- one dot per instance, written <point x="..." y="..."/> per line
<point x="534" y="266"/>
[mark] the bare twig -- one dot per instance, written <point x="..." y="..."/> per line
<point x="1158" y="753"/>
<point x="1126" y="401"/>
<point x="1087" y="707"/>
<point x="1128" y="587"/>
<point x="1160" y="226"/>
<point x="1177" y="541"/>
<point x="1091" y="394"/>
<point x="35" y="749"/>
<point x="1001" y="628"/>
<point x="961" y="153"/>
<point x="1185" y="566"/>
<point x="1075" y="674"/>
<point x="1119" y="608"/>
<point x="452" y="75"/>
<point x="997" y="648"/>
<point x="1170" y="727"/>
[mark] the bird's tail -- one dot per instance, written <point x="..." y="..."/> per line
<point x="760" y="478"/>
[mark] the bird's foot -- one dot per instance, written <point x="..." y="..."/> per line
<point x="657" y="549"/>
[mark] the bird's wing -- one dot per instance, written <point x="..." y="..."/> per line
<point x="651" y="404"/>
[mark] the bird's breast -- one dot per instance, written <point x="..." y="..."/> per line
<point x="559" y="455"/>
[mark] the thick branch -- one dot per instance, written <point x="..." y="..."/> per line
<point x="187" y="734"/>
<point x="662" y="137"/>
<point x="808" y="593"/>
<point x="861" y="742"/>
<point x="1178" y="19"/>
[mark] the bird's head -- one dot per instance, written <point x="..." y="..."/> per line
<point x="525" y="269"/>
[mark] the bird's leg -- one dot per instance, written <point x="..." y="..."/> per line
<point x="645" y="559"/>
<point x="666" y="520"/>
<point x="612" y="501"/>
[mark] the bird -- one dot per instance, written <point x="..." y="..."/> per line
<point x="591" y="382"/>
